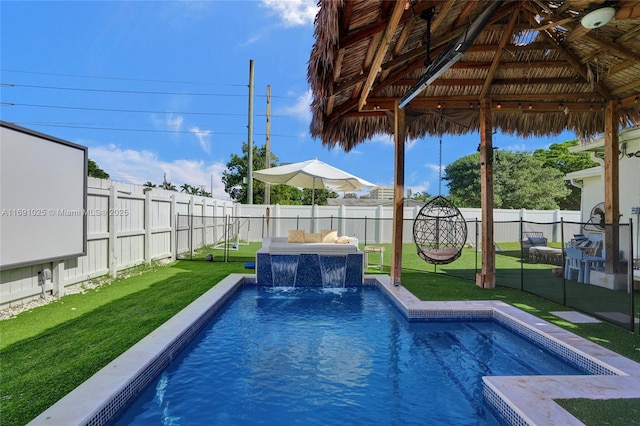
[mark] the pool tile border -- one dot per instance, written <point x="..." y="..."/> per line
<point x="529" y="400"/>
<point x="525" y="400"/>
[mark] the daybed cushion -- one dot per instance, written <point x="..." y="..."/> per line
<point x="279" y="245"/>
<point x="537" y="241"/>
<point x="296" y="236"/>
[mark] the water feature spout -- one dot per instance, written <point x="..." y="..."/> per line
<point x="333" y="270"/>
<point x="284" y="269"/>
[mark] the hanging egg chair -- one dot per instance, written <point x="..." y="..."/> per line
<point x="439" y="229"/>
<point x="439" y="232"/>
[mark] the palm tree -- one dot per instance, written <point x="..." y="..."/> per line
<point x="187" y="188"/>
<point x="149" y="184"/>
<point x="167" y="185"/>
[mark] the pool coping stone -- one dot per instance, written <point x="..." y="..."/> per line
<point x="522" y="400"/>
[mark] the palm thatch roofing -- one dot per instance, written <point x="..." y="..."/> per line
<point x="542" y="71"/>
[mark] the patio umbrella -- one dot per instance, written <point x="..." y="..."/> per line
<point x="311" y="174"/>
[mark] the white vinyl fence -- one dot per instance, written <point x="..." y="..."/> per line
<point x="128" y="226"/>
<point x="374" y="224"/>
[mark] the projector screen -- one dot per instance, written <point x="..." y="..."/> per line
<point x="43" y="196"/>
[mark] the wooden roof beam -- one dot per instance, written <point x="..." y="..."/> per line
<point x="398" y="10"/>
<point x="378" y="27"/>
<point x="506" y="37"/>
<point x="464" y="13"/>
<point x="368" y="59"/>
<point x="496" y="82"/>
<point x="400" y="43"/>
<point x="574" y="61"/>
<point x="629" y="86"/>
<point x="592" y="100"/>
<point x="618" y="48"/>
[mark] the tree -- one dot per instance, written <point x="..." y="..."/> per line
<point x="93" y="170"/>
<point x="149" y="184"/>
<point x="188" y="188"/>
<point x="167" y="185"/>
<point x="419" y="196"/>
<point x="520" y="181"/>
<point x="559" y="157"/>
<point x="320" y="197"/>
<point x="202" y="192"/>
<point x="463" y="176"/>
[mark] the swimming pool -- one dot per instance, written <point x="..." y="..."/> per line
<point x="345" y="356"/>
<point x="521" y="400"/>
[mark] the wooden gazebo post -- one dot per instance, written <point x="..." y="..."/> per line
<point x="487" y="277"/>
<point x="611" y="189"/>
<point x="399" y="134"/>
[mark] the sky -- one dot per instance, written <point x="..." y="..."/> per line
<point x="161" y="88"/>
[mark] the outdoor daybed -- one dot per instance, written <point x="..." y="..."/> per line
<point x="310" y="260"/>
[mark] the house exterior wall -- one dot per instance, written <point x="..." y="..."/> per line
<point x="629" y="187"/>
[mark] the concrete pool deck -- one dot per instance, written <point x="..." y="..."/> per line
<point x="522" y="400"/>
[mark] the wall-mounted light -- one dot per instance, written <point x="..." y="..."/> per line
<point x="439" y="106"/>
<point x="530" y="106"/>
<point x="499" y="105"/>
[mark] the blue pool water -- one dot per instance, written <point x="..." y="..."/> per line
<point x="310" y="356"/>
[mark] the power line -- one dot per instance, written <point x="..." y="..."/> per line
<point x="68" y="126"/>
<point x="138" y="92"/>
<point x="121" y="78"/>
<point x="126" y="110"/>
<point x="120" y="129"/>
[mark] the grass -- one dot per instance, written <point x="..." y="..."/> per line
<point x="58" y="346"/>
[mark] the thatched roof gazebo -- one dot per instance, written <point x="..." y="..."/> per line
<point x="528" y="67"/>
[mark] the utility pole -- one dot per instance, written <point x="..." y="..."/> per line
<point x="250" y="138"/>
<point x="267" y="160"/>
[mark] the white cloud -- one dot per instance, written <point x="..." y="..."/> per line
<point x="128" y="165"/>
<point x="203" y="138"/>
<point x="520" y="147"/>
<point x="421" y="187"/>
<point x="383" y="139"/>
<point x="293" y="13"/>
<point x="434" y="168"/>
<point x="302" y="108"/>
<point x="174" y="123"/>
<point x="388" y="140"/>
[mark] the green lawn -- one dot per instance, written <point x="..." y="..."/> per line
<point x="58" y="346"/>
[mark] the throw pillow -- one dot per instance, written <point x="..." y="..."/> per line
<point x="343" y="240"/>
<point x="296" y="236"/>
<point x="329" y="236"/>
<point x="312" y="237"/>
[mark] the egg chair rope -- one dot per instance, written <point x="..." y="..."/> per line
<point x="439" y="229"/>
